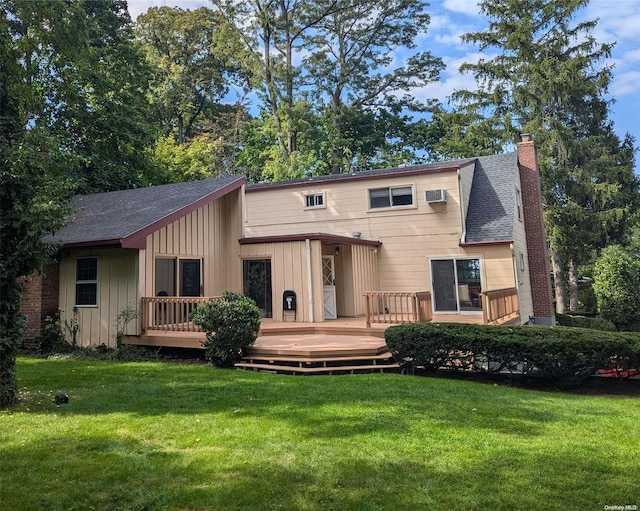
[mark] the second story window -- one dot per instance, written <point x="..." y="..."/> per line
<point x="390" y="197"/>
<point x="314" y="200"/>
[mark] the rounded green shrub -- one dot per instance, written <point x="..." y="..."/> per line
<point x="231" y="325"/>
<point x="585" y="322"/>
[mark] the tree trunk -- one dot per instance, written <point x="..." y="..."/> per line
<point x="558" y="278"/>
<point x="573" y="286"/>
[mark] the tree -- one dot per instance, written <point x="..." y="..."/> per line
<point x="350" y="66"/>
<point x="549" y="80"/>
<point x="324" y="62"/>
<point x="32" y="194"/>
<point x="88" y="82"/>
<point x="72" y="119"/>
<point x="617" y="287"/>
<point x="195" y="60"/>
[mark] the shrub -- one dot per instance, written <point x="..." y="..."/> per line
<point x="585" y="322"/>
<point x="564" y="356"/>
<point x="231" y="325"/>
<point x="617" y="287"/>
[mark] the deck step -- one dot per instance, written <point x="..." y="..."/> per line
<point x="272" y="358"/>
<point x="283" y="369"/>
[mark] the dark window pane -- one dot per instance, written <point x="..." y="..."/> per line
<point x="401" y="196"/>
<point x="87" y="269"/>
<point x="444" y="285"/>
<point x="86" y="294"/>
<point x="379" y="198"/>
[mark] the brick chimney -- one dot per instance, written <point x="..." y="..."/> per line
<point x="543" y="311"/>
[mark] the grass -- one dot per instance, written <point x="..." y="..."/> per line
<point x="188" y="437"/>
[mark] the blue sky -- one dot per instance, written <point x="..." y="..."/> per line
<point x="619" y="23"/>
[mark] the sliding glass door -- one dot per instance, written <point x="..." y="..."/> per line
<point x="456" y="285"/>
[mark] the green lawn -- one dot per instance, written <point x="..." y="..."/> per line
<point x="167" y="436"/>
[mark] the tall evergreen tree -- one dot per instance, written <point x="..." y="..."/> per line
<point x="549" y="79"/>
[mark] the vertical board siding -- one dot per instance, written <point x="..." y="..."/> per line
<point x="209" y="233"/>
<point x="289" y="272"/>
<point x="117" y="289"/>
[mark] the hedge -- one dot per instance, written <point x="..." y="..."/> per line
<point x="585" y="322"/>
<point x="565" y="356"/>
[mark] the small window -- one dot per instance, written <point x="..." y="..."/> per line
<point x="314" y="200"/>
<point x="518" y="205"/>
<point x="390" y="197"/>
<point x="87" y="282"/>
<point x="521" y="258"/>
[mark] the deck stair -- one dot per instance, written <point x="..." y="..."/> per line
<point x="306" y="351"/>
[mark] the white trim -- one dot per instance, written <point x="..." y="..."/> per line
<point x="96" y="282"/>
<point x="413" y="205"/>
<point x="459" y="312"/>
<point x="308" y="195"/>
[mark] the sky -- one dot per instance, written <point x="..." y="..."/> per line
<point x="618" y="22"/>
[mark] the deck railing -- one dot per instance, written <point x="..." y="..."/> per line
<point x="171" y="313"/>
<point x="397" y="307"/>
<point x="500" y="305"/>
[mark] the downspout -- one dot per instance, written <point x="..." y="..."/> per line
<point x="309" y="279"/>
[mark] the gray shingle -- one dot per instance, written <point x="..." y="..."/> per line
<point x="113" y="216"/>
<point x="492" y="201"/>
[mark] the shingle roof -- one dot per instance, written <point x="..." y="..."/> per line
<point x="492" y="201"/>
<point x="126" y="217"/>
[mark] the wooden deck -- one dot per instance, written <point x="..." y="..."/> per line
<point x="344" y="345"/>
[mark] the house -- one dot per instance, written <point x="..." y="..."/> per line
<point x="459" y="241"/>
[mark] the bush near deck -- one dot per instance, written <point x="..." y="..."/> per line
<point x="562" y="355"/>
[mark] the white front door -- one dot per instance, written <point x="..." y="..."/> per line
<point x="329" y="288"/>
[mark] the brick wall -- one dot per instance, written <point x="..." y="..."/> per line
<point x="535" y="232"/>
<point x="39" y="300"/>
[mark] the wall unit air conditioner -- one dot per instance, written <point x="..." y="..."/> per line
<point x="435" y="196"/>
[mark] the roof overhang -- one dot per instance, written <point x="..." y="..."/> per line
<point x="325" y="239"/>
<point x="138" y="239"/>
<point x="485" y="243"/>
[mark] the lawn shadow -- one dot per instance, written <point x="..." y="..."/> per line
<point x="115" y="473"/>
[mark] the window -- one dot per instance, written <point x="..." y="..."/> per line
<point x="87" y="282"/>
<point x="390" y="197"/>
<point x="518" y="205"/>
<point x="178" y="274"/>
<point x="521" y="261"/>
<point x="456" y="285"/>
<point x="314" y="200"/>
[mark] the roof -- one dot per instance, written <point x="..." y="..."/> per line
<point x="365" y="174"/>
<point x="126" y="217"/>
<point x="492" y="201"/>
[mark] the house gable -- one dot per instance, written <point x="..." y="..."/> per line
<point x="125" y="218"/>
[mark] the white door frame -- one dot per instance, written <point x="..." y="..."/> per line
<point x="330" y="309"/>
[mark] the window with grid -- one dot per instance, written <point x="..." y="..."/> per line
<point x="314" y="200"/>
<point x="87" y="282"/>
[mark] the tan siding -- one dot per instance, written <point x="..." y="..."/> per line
<point x="289" y="272"/>
<point x="409" y="236"/>
<point x="210" y="233"/>
<point x="117" y="277"/>
<point x="524" y="281"/>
